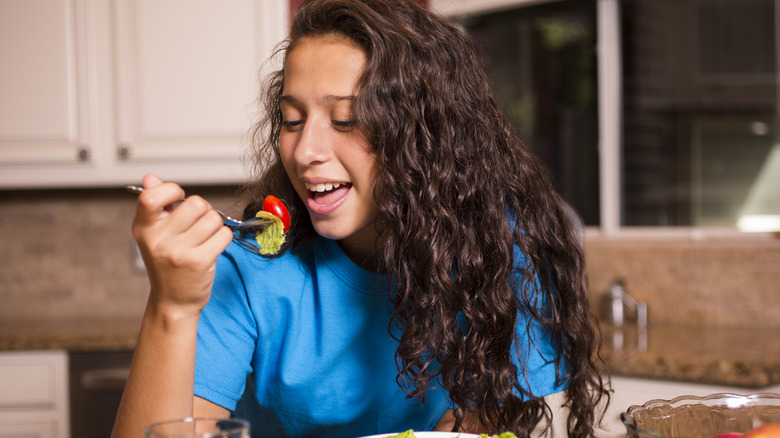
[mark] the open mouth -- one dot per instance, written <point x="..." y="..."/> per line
<point x="327" y="194"/>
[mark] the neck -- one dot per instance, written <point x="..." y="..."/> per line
<point x="367" y="260"/>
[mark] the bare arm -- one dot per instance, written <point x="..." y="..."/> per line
<point x="470" y="424"/>
<point x="180" y="248"/>
<point x="206" y="409"/>
<point x="556" y="401"/>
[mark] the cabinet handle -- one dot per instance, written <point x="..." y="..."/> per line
<point x="105" y="379"/>
<point x="123" y="151"/>
<point x="83" y="153"/>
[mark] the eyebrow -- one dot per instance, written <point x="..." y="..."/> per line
<point x="328" y="98"/>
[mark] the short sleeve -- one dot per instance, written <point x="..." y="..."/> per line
<point x="534" y="348"/>
<point x="227" y="335"/>
<point x="535" y="354"/>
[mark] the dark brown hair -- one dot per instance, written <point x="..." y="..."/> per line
<point x="458" y="194"/>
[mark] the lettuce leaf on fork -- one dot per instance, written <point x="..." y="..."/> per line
<point x="272" y="237"/>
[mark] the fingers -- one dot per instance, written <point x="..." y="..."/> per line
<point x="195" y="221"/>
<point x="179" y="245"/>
<point x="192" y="223"/>
<point x="152" y="181"/>
<point x="157" y="199"/>
<point x="218" y="241"/>
<point x="156" y="205"/>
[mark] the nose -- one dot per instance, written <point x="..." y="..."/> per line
<point x="313" y="145"/>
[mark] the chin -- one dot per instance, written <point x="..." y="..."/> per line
<point x="329" y="232"/>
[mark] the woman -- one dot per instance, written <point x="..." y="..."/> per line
<point x="430" y="279"/>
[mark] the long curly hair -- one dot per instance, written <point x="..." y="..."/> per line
<point x="457" y="193"/>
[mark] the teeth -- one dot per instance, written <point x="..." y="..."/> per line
<point x="322" y="187"/>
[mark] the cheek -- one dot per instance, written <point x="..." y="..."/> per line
<point x="287" y="152"/>
<point x="363" y="157"/>
<point x="371" y="171"/>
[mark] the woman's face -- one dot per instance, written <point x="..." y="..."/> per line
<point x="327" y="159"/>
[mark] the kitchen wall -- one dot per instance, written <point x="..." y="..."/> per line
<point x="730" y="281"/>
<point x="67" y="254"/>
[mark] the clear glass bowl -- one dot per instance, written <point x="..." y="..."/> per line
<point x="701" y="417"/>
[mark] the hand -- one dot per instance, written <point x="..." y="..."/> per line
<point x="179" y="246"/>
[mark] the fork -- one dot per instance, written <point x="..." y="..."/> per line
<point x="232" y="223"/>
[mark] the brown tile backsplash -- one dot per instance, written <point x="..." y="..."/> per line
<point x="718" y="281"/>
<point x="67" y="254"/>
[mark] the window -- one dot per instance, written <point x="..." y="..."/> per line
<point x="699" y="105"/>
<point x="543" y="64"/>
<point x="646" y="112"/>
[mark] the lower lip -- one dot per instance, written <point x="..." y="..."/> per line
<point x="320" y="209"/>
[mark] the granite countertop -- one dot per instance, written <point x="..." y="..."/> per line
<point x="743" y="357"/>
<point x="91" y="335"/>
<point x="747" y="358"/>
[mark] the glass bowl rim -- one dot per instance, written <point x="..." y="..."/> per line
<point x="744" y="400"/>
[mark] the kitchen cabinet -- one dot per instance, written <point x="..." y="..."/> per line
<point x="99" y="92"/>
<point x="34" y="399"/>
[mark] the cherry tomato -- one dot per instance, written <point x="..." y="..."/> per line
<point x="273" y="205"/>
<point x="765" y="431"/>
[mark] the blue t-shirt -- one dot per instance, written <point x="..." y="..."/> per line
<point x="311" y="327"/>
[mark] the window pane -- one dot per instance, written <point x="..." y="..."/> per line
<point x="542" y="60"/>
<point x="699" y="80"/>
<point x="699" y="97"/>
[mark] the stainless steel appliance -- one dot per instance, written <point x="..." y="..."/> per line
<point x="97" y="380"/>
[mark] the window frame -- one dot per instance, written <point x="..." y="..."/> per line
<point x="610" y="85"/>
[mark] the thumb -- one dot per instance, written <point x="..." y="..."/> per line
<point x="151" y="180"/>
<point x="166" y="194"/>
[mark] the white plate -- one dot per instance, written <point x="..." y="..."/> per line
<point x="428" y="435"/>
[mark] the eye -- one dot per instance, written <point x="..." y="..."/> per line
<point x="292" y="125"/>
<point x="343" y="125"/>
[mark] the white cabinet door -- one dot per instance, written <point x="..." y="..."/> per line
<point x="187" y="82"/>
<point x="34" y="394"/>
<point x="100" y="92"/>
<point x="29" y="430"/>
<point x="44" y="114"/>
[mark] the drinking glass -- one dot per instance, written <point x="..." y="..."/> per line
<point x="199" y="428"/>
